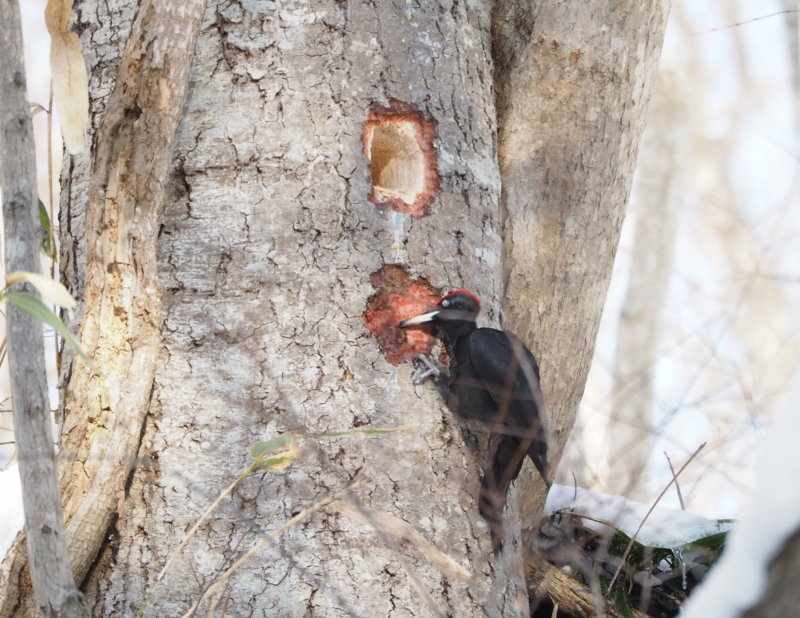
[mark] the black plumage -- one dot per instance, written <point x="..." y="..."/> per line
<point x="494" y="379"/>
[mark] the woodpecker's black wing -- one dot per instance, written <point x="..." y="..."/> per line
<point x="507" y="371"/>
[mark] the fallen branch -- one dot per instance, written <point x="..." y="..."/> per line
<point x="546" y="581"/>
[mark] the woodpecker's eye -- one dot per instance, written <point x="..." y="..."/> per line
<point x="445" y="302"/>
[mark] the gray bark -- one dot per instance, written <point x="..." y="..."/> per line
<point x="266" y="251"/>
<point x="46" y="542"/>
<point x="782" y="595"/>
<point x="791" y="20"/>
<point x="105" y="403"/>
<point x="573" y="84"/>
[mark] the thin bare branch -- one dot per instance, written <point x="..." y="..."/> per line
<point x="743" y="23"/>
<point x="644" y="519"/>
<point x="677" y="485"/>
<point x="49" y="560"/>
<point x="266" y="541"/>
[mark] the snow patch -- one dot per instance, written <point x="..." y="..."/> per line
<point x="738" y="580"/>
<point x="11" y="515"/>
<point x="665" y="527"/>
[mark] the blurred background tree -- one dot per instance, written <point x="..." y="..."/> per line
<point x="712" y="233"/>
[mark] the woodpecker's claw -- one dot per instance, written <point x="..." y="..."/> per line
<point x="424" y="368"/>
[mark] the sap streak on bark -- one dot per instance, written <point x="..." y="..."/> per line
<point x="573" y="82"/>
<point x="105" y="404"/>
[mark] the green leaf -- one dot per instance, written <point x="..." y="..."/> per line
<point x="49" y="290"/>
<point x="640" y="557"/>
<point x="273" y="463"/>
<point x="622" y="601"/>
<point x="31" y="305"/>
<point x="262" y="449"/>
<point x="714" y="542"/>
<point x="44" y="218"/>
<point x="275" y="454"/>
<point x="619" y="543"/>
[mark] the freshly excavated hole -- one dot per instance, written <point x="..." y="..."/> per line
<point x="399" y="143"/>
<point x="398" y="297"/>
<point x="398" y="164"/>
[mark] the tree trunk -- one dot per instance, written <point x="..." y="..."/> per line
<point x="106" y="401"/>
<point x="573" y="83"/>
<point x="267" y="251"/>
<point x="54" y="588"/>
<point x="781" y="596"/>
<point x="277" y="245"/>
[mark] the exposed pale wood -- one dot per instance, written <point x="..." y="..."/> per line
<point x="267" y="249"/>
<point x="572" y="597"/>
<point x="46" y="543"/>
<point x="265" y="255"/>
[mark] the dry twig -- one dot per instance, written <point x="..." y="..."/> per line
<point x="213" y="588"/>
<point x="655" y="502"/>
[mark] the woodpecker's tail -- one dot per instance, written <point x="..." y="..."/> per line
<point x="537" y="451"/>
<point x="505" y="466"/>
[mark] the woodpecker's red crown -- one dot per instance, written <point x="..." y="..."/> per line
<point x="452" y="295"/>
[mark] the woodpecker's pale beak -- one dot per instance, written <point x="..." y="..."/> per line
<point x="420" y="319"/>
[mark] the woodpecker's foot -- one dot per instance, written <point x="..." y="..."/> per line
<point x="425" y="367"/>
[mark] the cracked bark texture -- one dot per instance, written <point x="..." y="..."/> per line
<point x="54" y="591"/>
<point x="265" y="251"/>
<point x="106" y="401"/>
<point x="573" y="83"/>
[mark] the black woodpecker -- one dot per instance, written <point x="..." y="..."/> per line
<point x="494" y="379"/>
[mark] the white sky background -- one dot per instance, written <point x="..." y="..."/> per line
<point x="708" y="386"/>
<point x="729" y="341"/>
